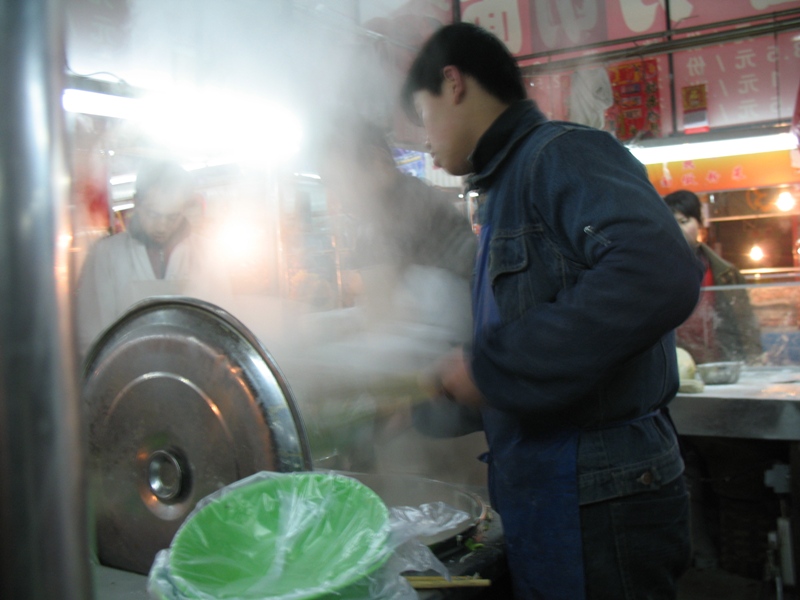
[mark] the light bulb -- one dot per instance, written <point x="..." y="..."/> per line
<point x="785" y="201"/>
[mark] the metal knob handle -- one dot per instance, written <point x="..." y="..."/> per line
<point x="166" y="475"/>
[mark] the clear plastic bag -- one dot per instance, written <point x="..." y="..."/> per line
<point x="298" y="536"/>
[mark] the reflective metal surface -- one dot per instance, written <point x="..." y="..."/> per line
<point x="43" y="523"/>
<point x="181" y="400"/>
<point x="763" y="404"/>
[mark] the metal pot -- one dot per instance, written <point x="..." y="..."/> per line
<point x="183" y="400"/>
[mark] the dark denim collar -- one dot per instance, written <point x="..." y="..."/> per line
<point x="519" y="119"/>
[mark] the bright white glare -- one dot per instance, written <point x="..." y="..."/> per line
<point x="715" y="149"/>
<point x="123" y="206"/>
<point x="123" y="179"/>
<point x="785" y="201"/>
<point x="236" y="240"/>
<point x="64" y="241"/>
<point x="756" y="253"/>
<point x="249" y="129"/>
<point x="102" y="105"/>
<point x="218" y="162"/>
<point x="203" y="122"/>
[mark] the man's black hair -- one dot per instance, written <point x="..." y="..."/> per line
<point x="475" y="52"/>
<point x="685" y="202"/>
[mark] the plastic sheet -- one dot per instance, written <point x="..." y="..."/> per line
<point x="298" y="536"/>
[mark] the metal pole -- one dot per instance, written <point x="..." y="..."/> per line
<point x="44" y="550"/>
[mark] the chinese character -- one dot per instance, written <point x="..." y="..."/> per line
<point x="747" y="110"/>
<point x="747" y="83"/>
<point x="772" y="54"/>
<point x="501" y="17"/>
<point x="744" y="58"/>
<point x="696" y="66"/>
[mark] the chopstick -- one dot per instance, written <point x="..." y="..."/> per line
<point x="426" y="582"/>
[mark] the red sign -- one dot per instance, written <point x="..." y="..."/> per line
<point x="636" y="110"/>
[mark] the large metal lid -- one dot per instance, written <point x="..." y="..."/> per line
<point x="182" y="400"/>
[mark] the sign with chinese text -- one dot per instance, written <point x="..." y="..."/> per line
<point x="725" y="173"/>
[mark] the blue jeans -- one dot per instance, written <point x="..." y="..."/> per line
<point x="636" y="547"/>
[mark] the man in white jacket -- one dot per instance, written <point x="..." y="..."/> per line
<point x="156" y="256"/>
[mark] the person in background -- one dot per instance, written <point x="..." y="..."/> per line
<point x="406" y="254"/>
<point x="398" y="219"/>
<point x="581" y="278"/>
<point x="723" y="326"/>
<point x="157" y="254"/>
<point x="720" y="472"/>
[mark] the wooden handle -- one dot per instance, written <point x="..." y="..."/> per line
<point x="424" y="582"/>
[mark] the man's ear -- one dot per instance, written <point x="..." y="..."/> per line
<point x="454" y="82"/>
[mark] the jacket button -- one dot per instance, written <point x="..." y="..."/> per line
<point x="646" y="478"/>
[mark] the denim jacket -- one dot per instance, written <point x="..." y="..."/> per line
<point x="591" y="275"/>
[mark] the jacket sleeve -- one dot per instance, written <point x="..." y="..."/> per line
<point x="634" y="280"/>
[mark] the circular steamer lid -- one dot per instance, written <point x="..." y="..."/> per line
<point x="182" y="400"/>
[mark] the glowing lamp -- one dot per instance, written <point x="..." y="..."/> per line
<point x="785" y="201"/>
<point x="756" y="253"/>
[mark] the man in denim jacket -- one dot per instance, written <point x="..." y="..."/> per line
<point x="581" y="277"/>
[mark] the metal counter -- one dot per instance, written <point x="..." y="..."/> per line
<point x="763" y="404"/>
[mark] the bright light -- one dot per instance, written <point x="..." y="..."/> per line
<point x="715" y="149"/>
<point x="237" y="240"/>
<point x="123" y="179"/>
<point x="756" y="253"/>
<point x="785" y="201"/>
<point x="250" y="129"/>
<point x="203" y="122"/>
<point x="102" y="105"/>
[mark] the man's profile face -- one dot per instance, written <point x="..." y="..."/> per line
<point x="446" y="133"/>
<point x="161" y="213"/>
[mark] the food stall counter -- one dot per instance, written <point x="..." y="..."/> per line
<point x="763" y="404"/>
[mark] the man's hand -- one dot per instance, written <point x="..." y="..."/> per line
<point x="456" y="380"/>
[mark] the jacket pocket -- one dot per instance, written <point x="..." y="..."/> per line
<point x="523" y="271"/>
